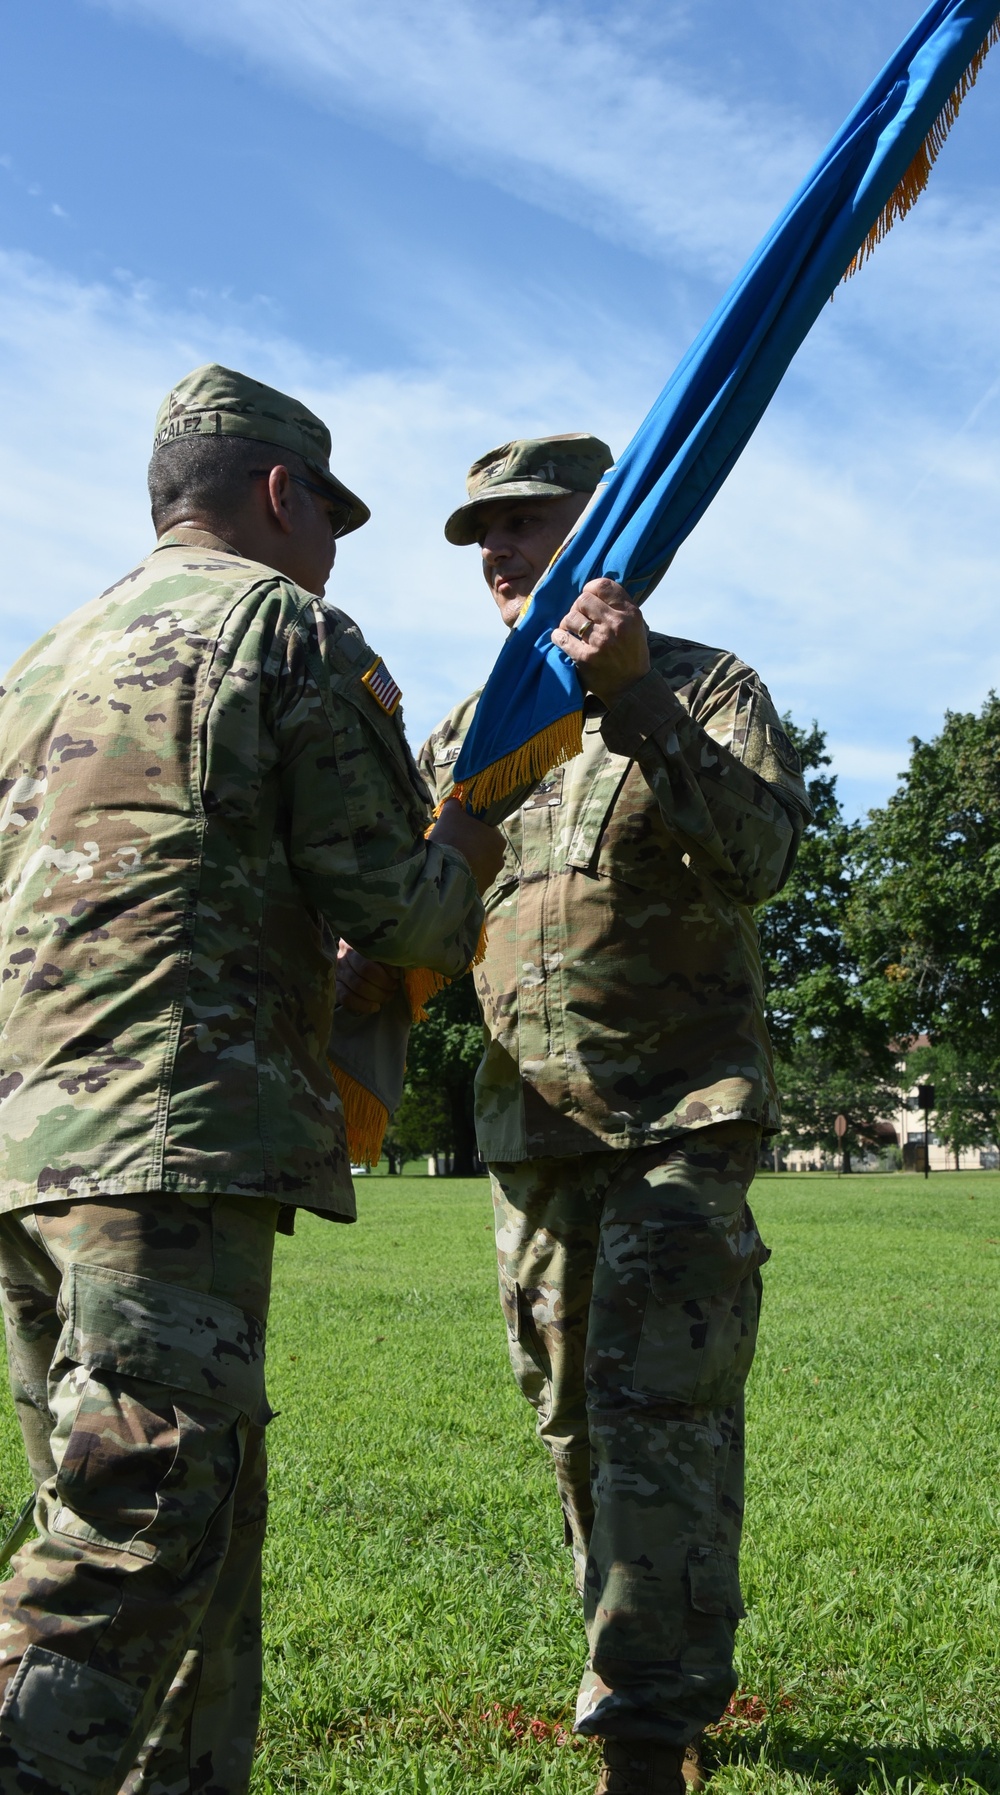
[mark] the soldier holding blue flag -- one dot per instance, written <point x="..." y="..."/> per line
<point x="627" y="1076"/>
<point x="620" y="1104"/>
<point x="648" y="805"/>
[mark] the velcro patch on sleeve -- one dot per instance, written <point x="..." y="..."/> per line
<point x="783" y="746"/>
<point x="382" y="686"/>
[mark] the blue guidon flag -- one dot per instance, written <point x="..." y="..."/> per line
<point x="529" y="717"/>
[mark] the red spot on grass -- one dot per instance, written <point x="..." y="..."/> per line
<point x="749" y="1710"/>
<point x="521" y="1726"/>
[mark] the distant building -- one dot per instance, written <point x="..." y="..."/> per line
<point x="903" y="1130"/>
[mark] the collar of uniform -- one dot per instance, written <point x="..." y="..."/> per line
<point x="190" y="536"/>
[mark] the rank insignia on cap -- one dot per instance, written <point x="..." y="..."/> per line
<point x="382" y="686"/>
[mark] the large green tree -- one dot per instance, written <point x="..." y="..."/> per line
<point x="924" y="916"/>
<point x="815" y="1090"/>
<point x="811" y="975"/>
<point x="832" y="1054"/>
<point x="420" y="1125"/>
<point x="966" y="1100"/>
<point x="437" y="1113"/>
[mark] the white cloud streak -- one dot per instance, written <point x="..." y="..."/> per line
<point x="852" y="556"/>
<point x="82" y="370"/>
<point x="543" y="103"/>
<point x="858" y="608"/>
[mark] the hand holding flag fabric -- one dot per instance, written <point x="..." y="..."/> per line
<point x="604" y="636"/>
<point x="529" y="716"/>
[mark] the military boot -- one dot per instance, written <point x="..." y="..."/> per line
<point x="640" y="1767"/>
<point x="692" y="1769"/>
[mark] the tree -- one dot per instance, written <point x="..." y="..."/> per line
<point x="925" y="911"/>
<point x="811" y="976"/>
<point x="420" y="1125"/>
<point x="815" y="1090"/>
<point x="966" y="1101"/>
<point x="832" y="1055"/>
<point x="437" y="1113"/>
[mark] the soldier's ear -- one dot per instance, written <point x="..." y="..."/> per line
<point x="280" y="498"/>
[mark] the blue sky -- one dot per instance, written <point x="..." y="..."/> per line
<point x="445" y="224"/>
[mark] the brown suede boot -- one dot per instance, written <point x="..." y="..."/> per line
<point x="640" y="1767"/>
<point x="692" y="1769"/>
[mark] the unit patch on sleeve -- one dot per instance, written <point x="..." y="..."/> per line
<point x="382" y="686"/>
<point x="784" y="748"/>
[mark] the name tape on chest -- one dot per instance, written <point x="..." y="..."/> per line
<point x="382" y="686"/>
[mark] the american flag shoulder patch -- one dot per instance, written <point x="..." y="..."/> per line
<point x="382" y="686"/>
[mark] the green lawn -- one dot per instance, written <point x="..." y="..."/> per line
<point x="417" y="1588"/>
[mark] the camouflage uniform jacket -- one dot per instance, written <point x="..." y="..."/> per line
<point x="621" y="990"/>
<point x="198" y="794"/>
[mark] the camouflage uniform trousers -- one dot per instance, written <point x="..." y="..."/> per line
<point x="130" y="1628"/>
<point x="631" y="1292"/>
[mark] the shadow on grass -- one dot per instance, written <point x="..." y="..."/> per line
<point x="850" y="1764"/>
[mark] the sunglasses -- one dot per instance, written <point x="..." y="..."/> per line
<point x="340" y="515"/>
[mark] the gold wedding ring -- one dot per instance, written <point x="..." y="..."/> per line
<point x="585" y="629"/>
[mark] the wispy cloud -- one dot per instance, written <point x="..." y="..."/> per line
<point x="879" y="767"/>
<point x="852" y="556"/>
<point x="564" y="112"/>
<point x="82" y="370"/>
<point x="857" y="607"/>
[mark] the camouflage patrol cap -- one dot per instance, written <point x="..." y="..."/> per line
<point x="217" y="401"/>
<point x="540" y="467"/>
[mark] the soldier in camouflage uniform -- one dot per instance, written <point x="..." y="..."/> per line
<point x="620" y="1103"/>
<point x="205" y="783"/>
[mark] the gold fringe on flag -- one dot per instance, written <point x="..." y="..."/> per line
<point x="525" y="766"/>
<point x="420" y="985"/>
<point x="917" y="175"/>
<point x="365" y="1118"/>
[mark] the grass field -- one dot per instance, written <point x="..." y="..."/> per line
<point x="423" y="1633"/>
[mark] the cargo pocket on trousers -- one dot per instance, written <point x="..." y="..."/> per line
<point x="699" y="1329"/>
<point x="714" y="1579"/>
<point x="526" y="1357"/>
<point x="164" y="1334"/>
<point x="70" y="1713"/>
<point x="153" y="1384"/>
